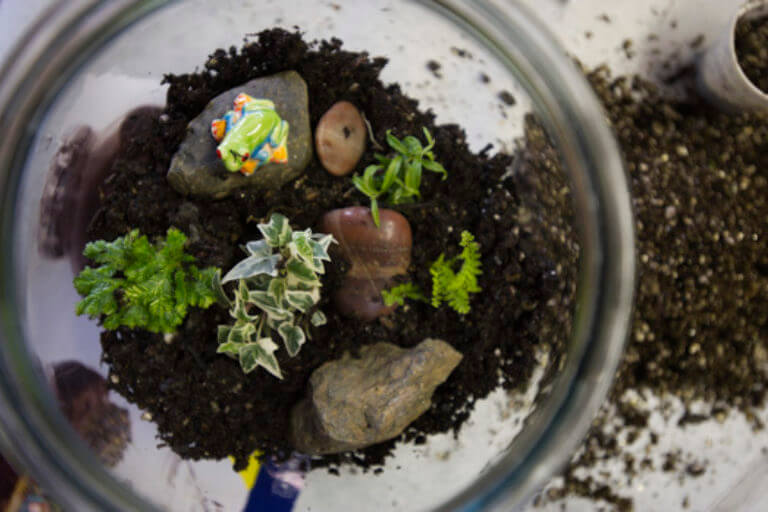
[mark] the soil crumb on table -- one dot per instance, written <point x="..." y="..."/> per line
<point x="434" y="67"/>
<point x="203" y="404"/>
<point x="507" y="98"/>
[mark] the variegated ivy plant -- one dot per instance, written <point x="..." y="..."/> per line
<point x="278" y="290"/>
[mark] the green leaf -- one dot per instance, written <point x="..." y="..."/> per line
<point x="212" y="276"/>
<point x="135" y="316"/>
<point x="114" y="254"/>
<point x="241" y="333"/>
<point x="399" y="293"/>
<point x="95" y="250"/>
<point x="269" y="305"/>
<point x="368" y="174"/>
<point x="318" y="318"/>
<point x="277" y="300"/>
<point x="320" y="244"/>
<point x="293" y="337"/>
<point x="277" y="289"/>
<point x="99" y="301"/>
<point x="142" y="259"/>
<point x="318" y="266"/>
<point x="229" y="348"/>
<point x="392" y="171"/>
<point x="303" y="301"/>
<point x="243" y="294"/>
<point x="369" y="182"/>
<point x="441" y="277"/>
<point x="204" y="288"/>
<point x="182" y="291"/>
<point x="360" y="185"/>
<point x="399" y="194"/>
<point x="277" y="232"/>
<point x="375" y="212"/>
<point x="173" y="246"/>
<point x="239" y="310"/>
<point x="402" y="179"/>
<point x="430" y="140"/>
<point x="222" y="333"/>
<point x="301" y="248"/>
<point x="395" y="143"/>
<point x="91" y="277"/>
<point x="300" y="270"/>
<point x="158" y="283"/>
<point x="112" y="322"/>
<point x="433" y="166"/>
<point x="413" y="177"/>
<point x="455" y="287"/>
<point x="413" y="146"/>
<point x="258" y="248"/>
<point x="253" y="266"/>
<point x="261" y="353"/>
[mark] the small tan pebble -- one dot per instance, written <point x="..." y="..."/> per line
<point x="340" y="138"/>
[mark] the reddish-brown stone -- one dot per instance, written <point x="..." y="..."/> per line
<point x="376" y="255"/>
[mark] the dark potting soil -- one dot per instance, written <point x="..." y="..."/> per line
<point x="699" y="183"/>
<point x="751" y="40"/>
<point x="203" y="404"/>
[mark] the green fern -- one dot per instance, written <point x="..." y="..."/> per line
<point x="448" y="286"/>
<point x="399" y="293"/>
<point x="138" y="284"/>
<point x="455" y="287"/>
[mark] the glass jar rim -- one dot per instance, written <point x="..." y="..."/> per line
<point x="66" y="35"/>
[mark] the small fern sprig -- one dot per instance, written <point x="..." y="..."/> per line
<point x="455" y="287"/>
<point x="399" y="293"/>
<point x="448" y="286"/>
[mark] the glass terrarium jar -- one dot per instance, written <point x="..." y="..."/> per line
<point x="88" y="63"/>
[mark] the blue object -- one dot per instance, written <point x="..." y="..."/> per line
<point x="278" y="485"/>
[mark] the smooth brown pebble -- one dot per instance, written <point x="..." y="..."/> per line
<point x="340" y="138"/>
<point x="376" y="255"/>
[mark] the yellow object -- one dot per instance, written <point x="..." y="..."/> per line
<point x="248" y="167"/>
<point x="281" y="154"/>
<point x="250" y="473"/>
<point x="218" y="129"/>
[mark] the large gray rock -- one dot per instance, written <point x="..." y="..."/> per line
<point x="354" y="403"/>
<point x="195" y="169"/>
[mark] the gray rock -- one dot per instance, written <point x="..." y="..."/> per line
<point x="354" y="403"/>
<point x="195" y="169"/>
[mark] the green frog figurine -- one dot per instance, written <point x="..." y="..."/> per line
<point x="250" y="135"/>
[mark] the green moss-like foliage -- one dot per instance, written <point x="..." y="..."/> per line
<point x="138" y="284"/>
<point x="448" y="286"/>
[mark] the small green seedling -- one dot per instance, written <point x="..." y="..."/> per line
<point x="141" y="285"/>
<point x="277" y="295"/>
<point x="448" y="285"/>
<point x="398" y="294"/>
<point x="397" y="179"/>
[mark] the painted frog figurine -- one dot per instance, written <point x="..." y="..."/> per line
<point x="250" y="135"/>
